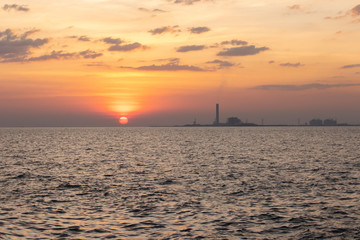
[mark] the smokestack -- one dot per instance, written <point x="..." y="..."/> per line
<point x="217" y="114"/>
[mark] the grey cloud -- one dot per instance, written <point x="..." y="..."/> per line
<point x="90" y="54"/>
<point x="187" y="2"/>
<point x="84" y="38"/>
<point x="97" y="64"/>
<point x="165" y="29"/>
<point x="351" y="66"/>
<point x="170" y="60"/>
<point x="13" y="48"/>
<point x="271" y="62"/>
<point x="171" y="67"/>
<point x="53" y="55"/>
<point x="110" y="40"/>
<point x="303" y="87"/>
<point x="355" y="11"/>
<point x="126" y="47"/>
<point x="190" y="48"/>
<point x="291" y="64"/>
<point x="198" y="30"/>
<point x="156" y="10"/>
<point x="117" y="45"/>
<point x="234" y="42"/>
<point x="20" y="8"/>
<point x="221" y="64"/>
<point x="242" y="51"/>
<point x="61" y="55"/>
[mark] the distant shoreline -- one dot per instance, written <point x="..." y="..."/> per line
<point x="271" y="125"/>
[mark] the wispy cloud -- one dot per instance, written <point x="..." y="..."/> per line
<point x="298" y="8"/>
<point x="351" y="66"/>
<point x="97" y="64"/>
<point x="188" y="2"/>
<point x="127" y="47"/>
<point x="190" y="48"/>
<point x="53" y="55"/>
<point x="61" y="55"/>
<point x="119" y="46"/>
<point x="15" y="7"/>
<point x="84" y="38"/>
<point x="199" y="30"/>
<point x="295" y="7"/>
<point x="156" y="10"/>
<point x="110" y="40"/>
<point x="294" y="65"/>
<point x="242" y="51"/>
<point x="172" y="66"/>
<point x="221" y="64"/>
<point x="234" y="42"/>
<point x="354" y="12"/>
<point x="16" y="48"/>
<point x="165" y="29"/>
<point x="90" y="54"/>
<point x="303" y="87"/>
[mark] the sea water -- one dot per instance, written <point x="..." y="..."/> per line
<point x="180" y="183"/>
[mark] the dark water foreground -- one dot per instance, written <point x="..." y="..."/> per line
<point x="180" y="183"/>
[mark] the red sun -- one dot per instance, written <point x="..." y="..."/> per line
<point x="123" y="120"/>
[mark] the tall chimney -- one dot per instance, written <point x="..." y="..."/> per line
<point x="217" y="114"/>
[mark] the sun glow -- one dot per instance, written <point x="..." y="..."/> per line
<point x="123" y="120"/>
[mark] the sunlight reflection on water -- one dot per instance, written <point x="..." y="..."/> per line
<point x="180" y="183"/>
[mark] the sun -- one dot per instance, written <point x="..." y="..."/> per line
<point x="123" y="120"/>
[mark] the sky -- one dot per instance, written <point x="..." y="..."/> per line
<point x="168" y="62"/>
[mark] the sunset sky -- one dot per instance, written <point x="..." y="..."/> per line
<point x="167" y="62"/>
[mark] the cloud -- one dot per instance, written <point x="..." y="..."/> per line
<point x="156" y="10"/>
<point x="61" y="55"/>
<point x="354" y="12"/>
<point x="242" y="51"/>
<point x="303" y="87"/>
<point x="165" y="29"/>
<point x="234" y="42"/>
<point x="90" y="54"/>
<point x="190" y="48"/>
<point x="187" y="2"/>
<point x="84" y="38"/>
<point x="127" y="47"/>
<point x="97" y="64"/>
<point x="295" y="7"/>
<point x="291" y="64"/>
<point x="271" y="62"/>
<point x="53" y="55"/>
<point x="14" y="48"/>
<point x="172" y="66"/>
<point x="20" y="8"/>
<point x="170" y="60"/>
<point x="199" y="30"/>
<point x="117" y="45"/>
<point x="221" y="64"/>
<point x="351" y="66"/>
<point x="110" y="40"/>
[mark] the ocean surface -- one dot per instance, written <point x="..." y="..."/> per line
<point x="180" y="183"/>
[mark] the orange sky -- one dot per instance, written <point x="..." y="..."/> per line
<point x="167" y="62"/>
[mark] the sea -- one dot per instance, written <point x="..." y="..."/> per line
<point x="180" y="183"/>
